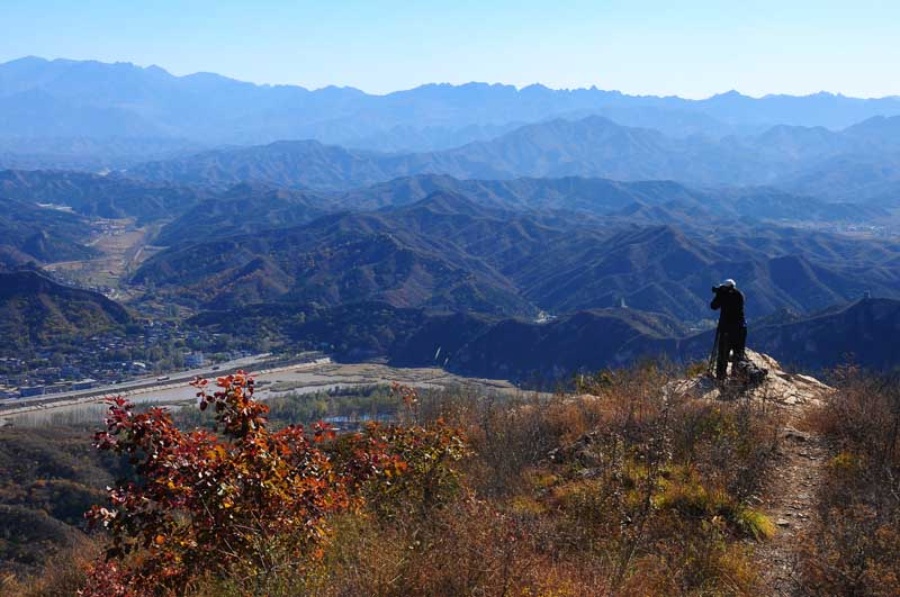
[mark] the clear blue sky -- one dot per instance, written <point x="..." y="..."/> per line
<point x="691" y="48"/>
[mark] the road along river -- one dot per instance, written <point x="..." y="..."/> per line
<point x="273" y="378"/>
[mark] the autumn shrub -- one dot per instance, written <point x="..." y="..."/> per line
<point x="854" y="549"/>
<point x="469" y="548"/>
<point x="730" y="443"/>
<point x="248" y="505"/>
<point x="199" y="501"/>
<point x="511" y="435"/>
<point x="249" y="510"/>
<point x="693" y="557"/>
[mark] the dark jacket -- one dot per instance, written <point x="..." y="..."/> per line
<point x="731" y="303"/>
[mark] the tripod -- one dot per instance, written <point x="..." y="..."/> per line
<point x="714" y="355"/>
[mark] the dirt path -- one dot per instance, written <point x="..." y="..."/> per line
<point x="790" y="503"/>
<point x="791" y="496"/>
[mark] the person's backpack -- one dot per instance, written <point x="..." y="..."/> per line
<point x="749" y="372"/>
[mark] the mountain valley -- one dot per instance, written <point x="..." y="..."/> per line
<point x="584" y="224"/>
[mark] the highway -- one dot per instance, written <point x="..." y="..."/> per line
<point x="256" y="364"/>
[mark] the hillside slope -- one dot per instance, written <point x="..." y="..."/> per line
<point x="49" y="479"/>
<point x="42" y="234"/>
<point x="248" y="208"/>
<point x="865" y="332"/>
<point x="97" y="196"/>
<point x="37" y="313"/>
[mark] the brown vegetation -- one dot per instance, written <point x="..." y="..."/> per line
<point x="48" y="478"/>
<point x="855" y="547"/>
<point x="623" y="489"/>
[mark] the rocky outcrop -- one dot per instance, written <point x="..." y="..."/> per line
<point x="778" y="386"/>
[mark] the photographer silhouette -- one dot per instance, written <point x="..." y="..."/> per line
<point x="732" y="330"/>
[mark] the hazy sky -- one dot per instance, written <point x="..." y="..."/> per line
<point x="691" y="48"/>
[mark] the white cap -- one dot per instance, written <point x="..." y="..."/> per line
<point x="730" y="283"/>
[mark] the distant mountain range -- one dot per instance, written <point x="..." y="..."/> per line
<point x="791" y="157"/>
<point x="52" y="201"/>
<point x="40" y="314"/>
<point x="115" y="108"/>
<point x="251" y="208"/>
<point x="245" y="208"/>
<point x="337" y="259"/>
<point x="524" y="233"/>
<point x="436" y="248"/>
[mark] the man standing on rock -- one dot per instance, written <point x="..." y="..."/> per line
<point x="732" y="330"/>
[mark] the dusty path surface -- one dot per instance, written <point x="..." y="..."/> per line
<point x="790" y="498"/>
<point x="790" y="503"/>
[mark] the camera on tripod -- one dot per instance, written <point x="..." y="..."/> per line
<point x="726" y="285"/>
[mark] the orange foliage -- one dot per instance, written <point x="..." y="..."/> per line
<point x="240" y="503"/>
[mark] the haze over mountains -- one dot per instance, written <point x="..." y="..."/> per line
<point x="862" y="163"/>
<point x="523" y="232"/>
<point x="91" y="115"/>
<point x="42" y="99"/>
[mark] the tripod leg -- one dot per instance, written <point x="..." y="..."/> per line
<point x="714" y="354"/>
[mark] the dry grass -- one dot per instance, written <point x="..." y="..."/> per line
<point x="620" y="489"/>
<point x="855" y="547"/>
<point x="60" y="578"/>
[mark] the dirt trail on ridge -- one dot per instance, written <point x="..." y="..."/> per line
<point x="790" y="497"/>
<point x="790" y="502"/>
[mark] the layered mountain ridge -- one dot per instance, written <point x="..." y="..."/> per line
<point x="447" y="251"/>
<point x="502" y="220"/>
<point x="594" y="147"/>
<point x="43" y="99"/>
